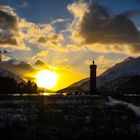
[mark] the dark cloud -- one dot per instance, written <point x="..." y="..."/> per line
<point x="4" y="51"/>
<point x="7" y="39"/>
<point x="7" y="21"/>
<point x="99" y="27"/>
<point x="8" y="25"/>
<point x="39" y="62"/>
<point x="53" y="39"/>
<point x="42" y="40"/>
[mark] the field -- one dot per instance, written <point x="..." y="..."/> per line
<point x="64" y="117"/>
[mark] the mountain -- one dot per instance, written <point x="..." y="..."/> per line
<point x="131" y="85"/>
<point x="112" y="78"/>
<point x="16" y="66"/>
<point x="5" y="73"/>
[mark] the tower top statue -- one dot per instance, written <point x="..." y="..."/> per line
<point x="93" y="62"/>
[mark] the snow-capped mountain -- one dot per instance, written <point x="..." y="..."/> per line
<point x="112" y="78"/>
<point x="15" y="65"/>
<point x="15" y="69"/>
<point x="120" y="73"/>
<point x="5" y="73"/>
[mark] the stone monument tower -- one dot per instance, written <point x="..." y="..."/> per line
<point x="93" y="88"/>
<point x="0" y="57"/>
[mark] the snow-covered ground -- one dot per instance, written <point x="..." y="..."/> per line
<point x="65" y="117"/>
<point x="136" y="109"/>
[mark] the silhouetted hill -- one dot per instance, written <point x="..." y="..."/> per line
<point x="132" y="85"/>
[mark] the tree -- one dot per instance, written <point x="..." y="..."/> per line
<point x="11" y="86"/>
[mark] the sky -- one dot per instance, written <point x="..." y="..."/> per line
<point x="68" y="34"/>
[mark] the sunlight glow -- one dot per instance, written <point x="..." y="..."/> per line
<point x="47" y="79"/>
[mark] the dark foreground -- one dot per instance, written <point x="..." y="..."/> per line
<point x="71" y="117"/>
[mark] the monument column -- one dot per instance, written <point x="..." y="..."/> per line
<point x="93" y="88"/>
<point x="0" y="57"/>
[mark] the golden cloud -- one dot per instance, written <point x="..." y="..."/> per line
<point x="101" y="60"/>
<point x="15" y="32"/>
<point x="89" y="30"/>
<point x="103" y="63"/>
<point x="78" y="9"/>
<point x="61" y="61"/>
<point x="40" y="55"/>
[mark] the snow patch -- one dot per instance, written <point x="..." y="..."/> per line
<point x="136" y="109"/>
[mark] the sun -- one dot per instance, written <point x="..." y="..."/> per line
<point x="46" y="79"/>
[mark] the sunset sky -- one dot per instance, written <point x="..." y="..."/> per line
<point x="68" y="34"/>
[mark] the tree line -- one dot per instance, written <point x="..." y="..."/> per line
<point x="11" y="86"/>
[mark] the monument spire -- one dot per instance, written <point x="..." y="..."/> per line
<point x="0" y="57"/>
<point x="93" y="88"/>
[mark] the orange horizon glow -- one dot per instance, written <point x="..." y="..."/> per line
<point x="57" y="79"/>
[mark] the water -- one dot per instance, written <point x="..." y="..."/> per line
<point x="25" y="94"/>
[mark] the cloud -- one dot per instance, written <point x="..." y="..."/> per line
<point x="18" y="33"/>
<point x="60" y="20"/>
<point x="5" y="57"/>
<point x="95" y="25"/>
<point x="41" y="35"/>
<point x="8" y="24"/>
<point x="40" y="55"/>
<point x="7" y="39"/>
<point x="8" y="18"/>
<point x="39" y="62"/>
<point x="78" y="9"/>
<point x="98" y="26"/>
<point x="101" y="60"/>
<point x="10" y="36"/>
<point x="51" y="40"/>
<point x="24" y="4"/>
<point x="103" y="63"/>
<point x="61" y="61"/>
<point x="88" y="62"/>
<point x="43" y="53"/>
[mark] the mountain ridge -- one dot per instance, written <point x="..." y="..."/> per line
<point x="6" y="73"/>
<point x="112" y="78"/>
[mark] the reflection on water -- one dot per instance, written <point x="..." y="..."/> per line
<point x="59" y="94"/>
<point x="47" y="94"/>
<point x="39" y="94"/>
